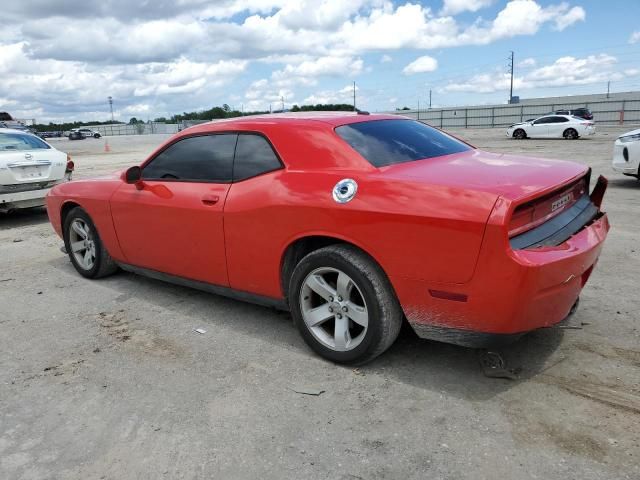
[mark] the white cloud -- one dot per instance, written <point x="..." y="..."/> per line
<point x="62" y="60"/>
<point x="453" y="7"/>
<point x="421" y="65"/>
<point x="525" y="17"/>
<point x="323" y="66"/>
<point x="634" y="37"/>
<point x="527" y="62"/>
<point x="343" y="95"/>
<point x="565" y="71"/>
<point x="573" y="15"/>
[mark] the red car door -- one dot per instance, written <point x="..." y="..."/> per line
<point x="174" y="224"/>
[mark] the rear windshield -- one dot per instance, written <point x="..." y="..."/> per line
<point x="386" y="142"/>
<point x="20" y="141"/>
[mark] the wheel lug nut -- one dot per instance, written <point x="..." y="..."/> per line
<point x="345" y="309"/>
<point x="339" y="316"/>
<point x="331" y="299"/>
<point x="331" y="309"/>
<point x="339" y="299"/>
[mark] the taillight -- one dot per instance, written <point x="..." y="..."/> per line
<point x="530" y="215"/>
<point x="70" y="164"/>
<point x="521" y="220"/>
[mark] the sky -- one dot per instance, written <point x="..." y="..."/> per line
<point x="60" y="60"/>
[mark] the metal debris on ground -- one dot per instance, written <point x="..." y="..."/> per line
<point x="200" y="330"/>
<point x="493" y="366"/>
<point x="308" y="391"/>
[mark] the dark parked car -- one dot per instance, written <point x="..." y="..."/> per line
<point x="578" y="112"/>
<point x="49" y="134"/>
<point x="76" y="135"/>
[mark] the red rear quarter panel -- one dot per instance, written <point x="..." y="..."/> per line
<point x="420" y="233"/>
<point x="412" y="228"/>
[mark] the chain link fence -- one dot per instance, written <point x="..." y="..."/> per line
<point x="148" y="128"/>
<point x="606" y="112"/>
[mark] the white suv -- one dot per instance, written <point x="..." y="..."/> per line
<point x="29" y="167"/>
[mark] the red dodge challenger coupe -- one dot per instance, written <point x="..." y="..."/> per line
<point x="352" y="222"/>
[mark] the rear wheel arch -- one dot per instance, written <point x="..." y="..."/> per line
<point x="302" y="246"/>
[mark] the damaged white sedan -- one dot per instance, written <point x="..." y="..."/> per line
<point x="626" y="154"/>
<point x="553" y="126"/>
<point x="29" y="168"/>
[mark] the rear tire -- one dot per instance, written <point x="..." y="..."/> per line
<point x="519" y="134"/>
<point x="96" y="135"/>
<point x="344" y="305"/>
<point x="85" y="249"/>
<point x="570" y="134"/>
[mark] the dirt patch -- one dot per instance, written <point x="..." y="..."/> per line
<point x="609" y="395"/>
<point x="116" y="326"/>
<point x="631" y="357"/>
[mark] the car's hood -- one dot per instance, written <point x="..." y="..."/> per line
<point x="632" y="132"/>
<point x="510" y="176"/>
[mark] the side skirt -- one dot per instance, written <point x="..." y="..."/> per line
<point x="208" y="287"/>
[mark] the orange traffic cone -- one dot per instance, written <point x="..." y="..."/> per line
<point x="107" y="148"/>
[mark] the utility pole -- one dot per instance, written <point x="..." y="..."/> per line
<point x="354" y="96"/>
<point x="282" y="100"/>
<point x="511" y="88"/>
<point x="608" y="86"/>
<point x="429" y="99"/>
<point x="110" y="98"/>
<point x="269" y="108"/>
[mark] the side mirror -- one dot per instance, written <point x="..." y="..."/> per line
<point x="133" y="175"/>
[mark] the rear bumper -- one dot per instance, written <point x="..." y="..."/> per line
<point x="629" y="165"/>
<point x="511" y="294"/>
<point x="28" y="199"/>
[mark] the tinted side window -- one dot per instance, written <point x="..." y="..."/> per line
<point x="205" y="158"/>
<point x="560" y="119"/>
<point x="254" y="156"/>
<point x="541" y="121"/>
<point x="386" y="142"/>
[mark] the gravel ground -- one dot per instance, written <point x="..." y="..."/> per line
<point x="108" y="380"/>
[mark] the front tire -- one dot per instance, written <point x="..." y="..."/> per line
<point x="85" y="249"/>
<point x="519" y="134"/>
<point x="96" y="135"/>
<point x="344" y="305"/>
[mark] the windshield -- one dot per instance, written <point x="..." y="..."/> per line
<point x="20" y="141"/>
<point x="387" y="142"/>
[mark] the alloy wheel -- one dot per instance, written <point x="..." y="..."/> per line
<point x="82" y="244"/>
<point x="333" y="309"/>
